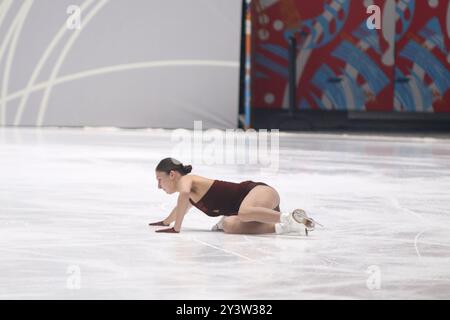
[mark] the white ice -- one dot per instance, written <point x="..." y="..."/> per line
<point x="75" y="206"/>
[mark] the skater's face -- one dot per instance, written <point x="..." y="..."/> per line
<point x="167" y="181"/>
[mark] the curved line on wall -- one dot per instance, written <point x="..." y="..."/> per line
<point x="123" y="67"/>
<point x="60" y="60"/>
<point x="38" y="68"/>
<point x="14" y="32"/>
<point x="4" y="8"/>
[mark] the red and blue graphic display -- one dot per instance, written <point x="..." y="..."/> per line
<point x="344" y="65"/>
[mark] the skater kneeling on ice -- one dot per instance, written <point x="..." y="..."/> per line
<point x="247" y="208"/>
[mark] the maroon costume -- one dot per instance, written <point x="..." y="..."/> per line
<point x="224" y="198"/>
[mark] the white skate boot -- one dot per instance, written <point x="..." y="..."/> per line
<point x="219" y="225"/>
<point x="295" y="222"/>
<point x="300" y="216"/>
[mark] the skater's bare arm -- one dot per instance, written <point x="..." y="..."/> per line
<point x="182" y="203"/>
<point x="172" y="216"/>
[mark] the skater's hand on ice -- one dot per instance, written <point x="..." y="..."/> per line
<point x="159" y="223"/>
<point x="168" y="230"/>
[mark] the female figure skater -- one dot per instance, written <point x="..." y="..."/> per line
<point x="248" y="207"/>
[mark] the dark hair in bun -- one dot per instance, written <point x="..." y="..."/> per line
<point x="169" y="164"/>
<point x="187" y="169"/>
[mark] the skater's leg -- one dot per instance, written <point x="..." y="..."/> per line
<point x="259" y="205"/>
<point x="234" y="225"/>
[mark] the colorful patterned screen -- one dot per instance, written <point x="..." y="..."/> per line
<point x="344" y="65"/>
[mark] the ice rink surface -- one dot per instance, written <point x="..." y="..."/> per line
<point x="75" y="206"/>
